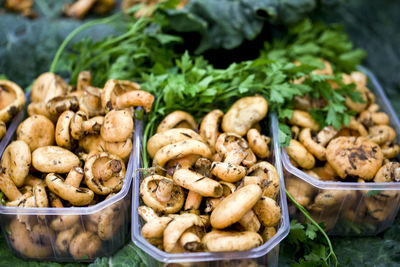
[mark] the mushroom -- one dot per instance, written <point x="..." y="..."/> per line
<point x="177" y="227"/>
<point x="62" y="133"/>
<point x="300" y="154"/>
<point x="303" y="119"/>
<point x="174" y="118"/>
<point x="211" y="203"/>
<point x="153" y="229"/>
<point x="117" y="126"/>
<point x="39" y="191"/>
<point x="8" y="187"/>
<point x="104" y="173"/>
<point x="123" y="94"/>
<point x="268" y="233"/>
<point x="21" y="240"/>
<point x="78" y="9"/>
<point x="56" y="159"/>
<point x="325" y="135"/>
<point x="258" y="143"/>
<point x="357" y="126"/>
<point x="390" y="151"/>
<point x="230" y="170"/>
<point x="267" y="211"/>
<point x="381" y="134"/>
<point x="64" y="239"/>
<point x="59" y="104"/>
<point x="209" y="126"/>
<point x="198" y="183"/>
<point x="244" y="113"/>
<point x="12" y="100"/>
<point x="180" y="149"/>
<point x="369" y="118"/>
<point x="250" y="222"/>
<point x="171" y="136"/>
<point x="167" y="198"/>
<point x="331" y="200"/>
<point x="268" y="178"/>
<point x="16" y="161"/>
<point x="232" y="208"/>
<point x="120" y="149"/>
<point x="324" y="173"/>
<point x="47" y="86"/>
<point x="85" y="245"/>
<point x="37" y="131"/>
<point x="219" y="241"/>
<point x="110" y="220"/>
<point x="193" y="201"/>
<point x="354" y="156"/>
<point x="76" y="196"/>
<point x="230" y="141"/>
<point x="90" y="101"/>
<point x="313" y="147"/>
<point x="3" y="129"/>
<point x="390" y="172"/>
<point x="190" y="240"/>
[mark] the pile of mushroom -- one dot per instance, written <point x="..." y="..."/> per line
<point x="212" y="191"/>
<point x="363" y="151"/>
<point x="71" y="151"/>
<point x="12" y="101"/>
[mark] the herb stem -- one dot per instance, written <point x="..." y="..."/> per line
<point x="307" y="215"/>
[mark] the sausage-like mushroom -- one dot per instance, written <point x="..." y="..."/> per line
<point x="211" y="203"/>
<point x="258" y="143"/>
<point x="303" y="119"/>
<point x="300" y="154"/>
<point x="174" y="118"/>
<point x="390" y="151"/>
<point x="54" y="159"/>
<point x="16" y="161"/>
<point x="250" y="222"/>
<point x="325" y="135"/>
<point x="76" y="196"/>
<point x="104" y="173"/>
<point x="209" y="126"/>
<point x="8" y="187"/>
<point x="12" y="100"/>
<point x="219" y="241"/>
<point x="64" y="239"/>
<point x="227" y="142"/>
<point x="153" y="229"/>
<point x="177" y="227"/>
<point x="313" y="147"/>
<point x="390" y="172"/>
<point x="369" y="118"/>
<point x="39" y="191"/>
<point x="117" y="126"/>
<point x="268" y="233"/>
<point x="90" y="101"/>
<point x="37" y="131"/>
<point x="230" y="170"/>
<point x="269" y="178"/>
<point x="21" y="240"/>
<point x="171" y="136"/>
<point x="244" y="113"/>
<point x="234" y="206"/>
<point x="267" y="211"/>
<point x="180" y="149"/>
<point x="47" y="86"/>
<point x="59" y="104"/>
<point x="357" y="126"/>
<point x="198" y="183"/>
<point x="119" y="149"/>
<point x="85" y="245"/>
<point x="381" y="134"/>
<point x="151" y="193"/>
<point x="62" y="133"/>
<point x="357" y="156"/>
<point x="332" y="200"/>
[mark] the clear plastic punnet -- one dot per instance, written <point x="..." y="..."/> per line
<point x="361" y="208"/>
<point x="264" y="255"/>
<point x="49" y="234"/>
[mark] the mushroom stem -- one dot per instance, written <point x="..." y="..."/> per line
<point x="190" y="241"/>
<point x="164" y="190"/>
<point x="75" y="176"/>
<point x="107" y="170"/>
<point x="8" y="187"/>
<point x="193" y="201"/>
<point x="135" y="98"/>
<point x="55" y="201"/>
<point x="250" y="222"/>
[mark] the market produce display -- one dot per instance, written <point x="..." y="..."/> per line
<point x="216" y="191"/>
<point x="363" y="151"/>
<point x="78" y="141"/>
<point x="12" y="101"/>
<point x="322" y="113"/>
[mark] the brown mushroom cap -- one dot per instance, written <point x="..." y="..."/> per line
<point x="244" y="113"/>
<point x="47" y="86"/>
<point x="37" y="131"/>
<point x="16" y="161"/>
<point x="12" y="100"/>
<point x="354" y="156"/>
<point x="117" y="126"/>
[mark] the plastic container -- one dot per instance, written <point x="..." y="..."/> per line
<point x="265" y="255"/>
<point x="362" y="208"/>
<point x="112" y="213"/>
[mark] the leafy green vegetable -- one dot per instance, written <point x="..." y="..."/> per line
<point x="227" y="23"/>
<point x="141" y="47"/>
